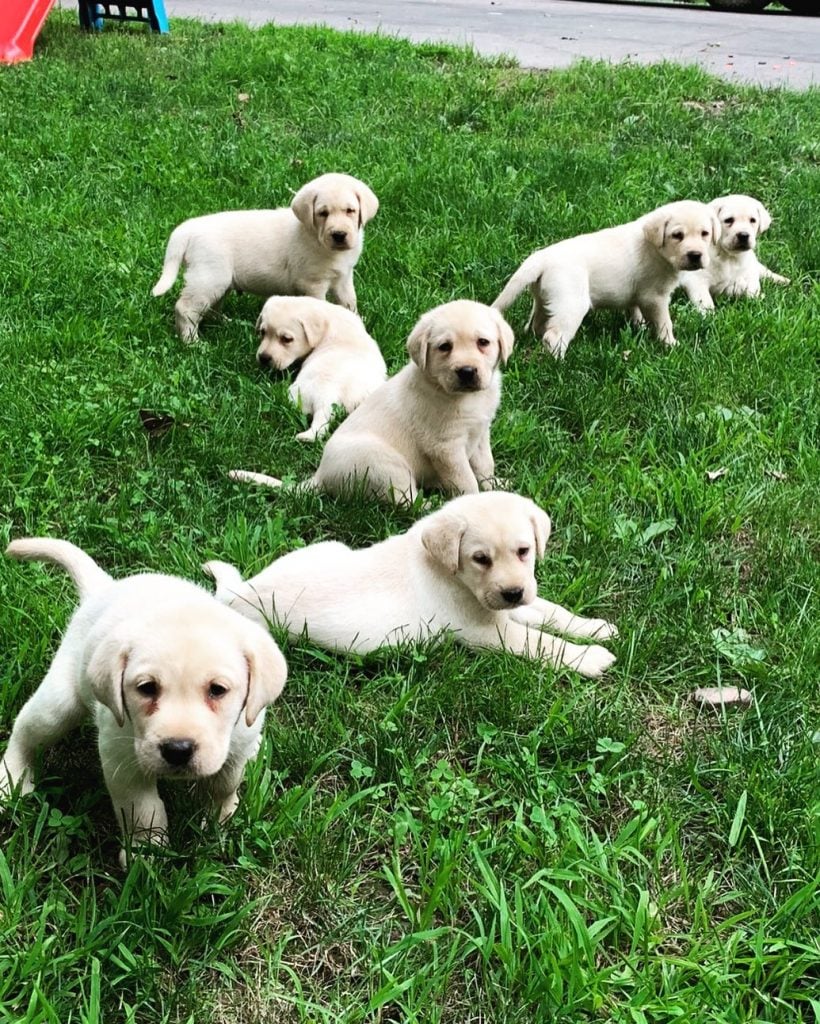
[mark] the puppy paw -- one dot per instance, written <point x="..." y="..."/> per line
<point x="307" y="435"/>
<point x="600" y="629"/>
<point x="245" y="476"/>
<point x="594" y="662"/>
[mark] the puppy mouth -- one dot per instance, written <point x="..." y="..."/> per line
<point x="743" y="246"/>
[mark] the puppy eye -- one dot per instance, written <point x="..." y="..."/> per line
<point x="350" y="210"/>
<point x="217" y="690"/>
<point x="753" y="220"/>
<point x="484" y="342"/>
<point x="446" y="346"/>
<point x="286" y="339"/>
<point x="728" y="221"/>
<point x="149" y="688"/>
<point x="523" y="552"/>
<point x="481" y="559"/>
<point x="323" y="213"/>
<point x="678" y="236"/>
<point x="705" y="234"/>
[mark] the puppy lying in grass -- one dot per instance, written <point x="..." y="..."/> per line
<point x="734" y="268"/>
<point x="175" y="682"/>
<point x="634" y="266"/>
<point x="429" y="425"/>
<point x="341" y="364"/>
<point x="467" y="569"/>
<point x="308" y="249"/>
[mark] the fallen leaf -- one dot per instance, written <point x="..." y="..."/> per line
<point x="243" y="97"/>
<point x="155" y="424"/>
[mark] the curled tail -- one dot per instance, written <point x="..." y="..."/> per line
<point x="88" y="577"/>
<point x="527" y="273"/>
<point x="227" y="577"/>
<point x="174" y="255"/>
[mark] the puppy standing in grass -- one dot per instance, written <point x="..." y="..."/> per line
<point x="309" y="249"/>
<point x="176" y="688"/>
<point x="734" y="268"/>
<point x="342" y="363"/>
<point x="633" y="266"/>
<point x="467" y="569"/>
<point x="429" y="425"/>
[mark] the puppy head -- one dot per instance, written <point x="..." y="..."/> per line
<point x="183" y="678"/>
<point x="489" y="542"/>
<point x="683" y="233"/>
<point x="742" y="219"/>
<point x="459" y="345"/>
<point x="289" y="328"/>
<point x="335" y="207"/>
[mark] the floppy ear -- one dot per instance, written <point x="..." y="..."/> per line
<point x="506" y="338"/>
<point x="541" y="528"/>
<point x="267" y="673"/>
<point x="654" y="228"/>
<point x="302" y="204"/>
<point x="764" y="217"/>
<point x="105" y="671"/>
<point x="716" y="228"/>
<point x="315" y="325"/>
<point x="368" y="203"/>
<point x="418" y="341"/>
<point x="257" y="326"/>
<point x="442" y="539"/>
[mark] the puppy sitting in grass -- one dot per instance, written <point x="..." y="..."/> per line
<point x="308" y="249"/>
<point x="175" y="682"/>
<point x="341" y="364"/>
<point x="467" y="569"/>
<point x="734" y="268"/>
<point x="634" y="266"/>
<point x="429" y="425"/>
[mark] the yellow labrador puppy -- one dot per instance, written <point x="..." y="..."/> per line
<point x="175" y="682"/>
<point x="341" y="364"/>
<point x="734" y="268"/>
<point x="308" y="249"/>
<point x="467" y="569"/>
<point x="429" y="425"/>
<point x="633" y="266"/>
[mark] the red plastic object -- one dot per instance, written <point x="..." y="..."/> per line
<point x="20" y="24"/>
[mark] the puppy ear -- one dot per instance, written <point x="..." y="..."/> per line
<point x="302" y="204"/>
<point x="258" y="323"/>
<point x="716" y="228"/>
<point x="267" y="673"/>
<point x="105" y="671"/>
<point x="764" y="218"/>
<point x="506" y="338"/>
<point x="716" y="206"/>
<point x="368" y="203"/>
<point x="541" y="528"/>
<point x="654" y="228"/>
<point x="442" y="539"/>
<point x="315" y="325"/>
<point x="418" y="341"/>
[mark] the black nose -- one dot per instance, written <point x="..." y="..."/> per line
<point x="513" y="595"/>
<point x="338" y="236"/>
<point x="264" y="359"/>
<point x="742" y="238"/>
<point x="694" y="258"/>
<point x="177" y="752"/>
<point x="466" y="374"/>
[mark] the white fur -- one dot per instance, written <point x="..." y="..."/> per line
<point x="341" y="364"/>
<point x="213" y="673"/>
<point x="309" y="249"/>
<point x="633" y="266"/>
<point x="424" y="582"/>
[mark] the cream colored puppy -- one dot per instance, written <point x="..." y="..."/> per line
<point x="429" y="425"/>
<point x="175" y="682"/>
<point x="633" y="266"/>
<point x="309" y="249"/>
<point x="467" y="569"/>
<point x="342" y="363"/>
<point x="734" y="268"/>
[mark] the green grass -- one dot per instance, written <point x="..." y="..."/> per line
<point x="430" y="834"/>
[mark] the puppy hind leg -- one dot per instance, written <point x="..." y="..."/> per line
<point x="322" y="415"/>
<point x="561" y="329"/>
<point x="198" y="297"/>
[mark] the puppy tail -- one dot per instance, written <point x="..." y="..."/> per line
<point x="247" y="477"/>
<point x="527" y="273"/>
<point x="227" y="577"/>
<point x="88" y="577"/>
<point x="174" y="255"/>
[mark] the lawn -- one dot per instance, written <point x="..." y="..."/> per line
<point x="430" y="834"/>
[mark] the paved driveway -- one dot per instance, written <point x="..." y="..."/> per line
<point x="771" y="48"/>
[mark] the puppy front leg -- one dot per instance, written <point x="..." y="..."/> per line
<point x="482" y="464"/>
<point x="223" y="789"/>
<point x="696" y="285"/>
<point x="545" y="614"/>
<point x="656" y="311"/>
<point x="591" y="661"/>
<point x="455" y="474"/>
<point x="345" y="292"/>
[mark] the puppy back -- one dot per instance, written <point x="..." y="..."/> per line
<point x="88" y="577"/>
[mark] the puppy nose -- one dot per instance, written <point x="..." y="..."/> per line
<point x="264" y="359"/>
<point x="466" y="374"/>
<point x="742" y="237"/>
<point x="513" y="595"/>
<point x="694" y="258"/>
<point x="338" y="236"/>
<point x="177" y="752"/>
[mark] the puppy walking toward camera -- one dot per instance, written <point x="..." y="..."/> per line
<point x="309" y="248"/>
<point x="633" y="266"/>
<point x="176" y="684"/>
<point x="342" y="363"/>
<point x="467" y="569"/>
<point x="734" y="268"/>
<point x="429" y="425"/>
